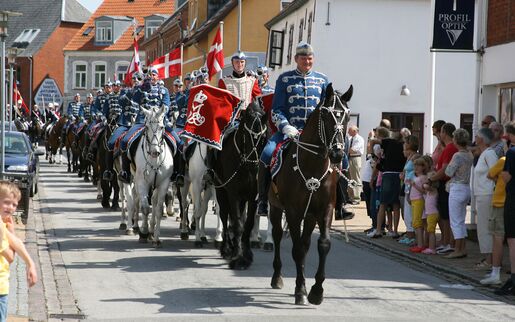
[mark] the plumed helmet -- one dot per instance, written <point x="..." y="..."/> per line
<point x="152" y="70"/>
<point x="108" y="84"/>
<point x="203" y="69"/>
<point x="262" y="70"/>
<point x="50" y="105"/>
<point x="252" y="73"/>
<point x="187" y="77"/>
<point x="89" y="95"/>
<point x="117" y="83"/>
<point x="77" y="95"/>
<point x="304" y="49"/>
<point x="239" y="55"/>
<point x="177" y="82"/>
<point x="161" y="82"/>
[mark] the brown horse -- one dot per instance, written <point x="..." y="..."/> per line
<point x="72" y="149"/>
<point x="53" y="141"/>
<point x="305" y="188"/>
<point x="111" y="186"/>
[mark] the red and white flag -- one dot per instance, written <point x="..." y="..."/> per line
<point x="134" y="66"/>
<point x="18" y="101"/>
<point x="210" y="110"/>
<point x="168" y="65"/>
<point x="215" y="57"/>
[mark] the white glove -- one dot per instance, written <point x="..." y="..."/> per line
<point x="290" y="131"/>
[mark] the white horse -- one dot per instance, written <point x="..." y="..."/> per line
<point x="129" y="204"/>
<point x="200" y="196"/>
<point x="154" y="166"/>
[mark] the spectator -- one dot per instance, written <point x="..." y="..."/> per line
<point x="416" y="197"/>
<point x="411" y="146"/>
<point x="483" y="190"/>
<point x="496" y="223"/>
<point x="375" y="184"/>
<point x="508" y="175"/>
<point x="355" y="152"/>
<point x="366" y="179"/>
<point x="391" y="165"/>
<point x="459" y="191"/>
<point x="443" y="195"/>
<point x="386" y="123"/>
<point x="497" y="143"/>
<point x="431" y="213"/>
<point x="437" y="127"/>
<point x="405" y="132"/>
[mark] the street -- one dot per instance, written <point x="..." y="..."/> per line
<point x="91" y="270"/>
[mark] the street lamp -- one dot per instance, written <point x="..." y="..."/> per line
<point x="12" y="52"/>
<point x="4" y="19"/>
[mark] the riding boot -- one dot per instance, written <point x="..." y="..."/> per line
<point x="341" y="213"/>
<point x="108" y="173"/>
<point x="125" y="174"/>
<point x="209" y="176"/>
<point x="179" y="170"/>
<point x="63" y="138"/>
<point x="264" y="180"/>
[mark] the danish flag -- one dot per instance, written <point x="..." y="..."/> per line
<point x="215" y="57"/>
<point x="168" y="65"/>
<point x="134" y="66"/>
<point x="18" y="100"/>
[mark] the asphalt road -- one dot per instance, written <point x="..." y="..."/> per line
<point x="106" y="275"/>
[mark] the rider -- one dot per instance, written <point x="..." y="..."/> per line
<point x="148" y="95"/>
<point x="75" y="112"/>
<point x="263" y="76"/>
<point x="97" y="109"/>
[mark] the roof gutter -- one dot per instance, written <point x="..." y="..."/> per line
<point x="63" y="10"/>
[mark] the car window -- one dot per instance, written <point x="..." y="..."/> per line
<point x="15" y="145"/>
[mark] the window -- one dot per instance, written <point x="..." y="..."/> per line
<point x="25" y="38"/>
<point x="213" y="6"/>
<point x="99" y="74"/>
<point x="413" y="121"/>
<point x="301" y="29"/>
<point x="290" y="45"/>
<point x="310" y="24"/>
<point x="18" y="74"/>
<point x="507" y="104"/>
<point x="79" y="75"/>
<point x="104" y="31"/>
<point x="151" y="26"/>
<point x="87" y="31"/>
<point x="276" y="48"/>
<point x="466" y="121"/>
<point x="121" y="70"/>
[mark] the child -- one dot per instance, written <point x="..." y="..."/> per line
<point x="432" y="216"/>
<point x="416" y="196"/>
<point x="9" y="244"/>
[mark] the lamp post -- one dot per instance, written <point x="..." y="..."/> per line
<point x="4" y="19"/>
<point x="12" y="52"/>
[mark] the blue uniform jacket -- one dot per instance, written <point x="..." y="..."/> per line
<point x="75" y="109"/>
<point x="150" y="95"/>
<point x="182" y="106"/>
<point x="98" y="106"/>
<point x="296" y="97"/>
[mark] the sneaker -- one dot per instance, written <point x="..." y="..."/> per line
<point x="440" y="247"/>
<point x="416" y="249"/>
<point x="403" y="240"/>
<point x="429" y="251"/>
<point x="366" y="231"/>
<point x="507" y="289"/>
<point x="482" y="265"/>
<point x="445" y="250"/>
<point x="491" y="280"/>
<point x="372" y="232"/>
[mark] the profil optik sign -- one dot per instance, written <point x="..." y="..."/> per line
<point x="454" y="25"/>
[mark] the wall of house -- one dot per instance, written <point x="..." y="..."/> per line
<point x="379" y="46"/>
<point x="501" y="22"/>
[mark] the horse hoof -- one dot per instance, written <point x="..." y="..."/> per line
<point x="157" y="244"/>
<point x="105" y="204"/>
<point x="185" y="236"/>
<point x="69" y="170"/>
<point x="129" y="232"/>
<point x="135" y="230"/>
<point x="255" y="244"/>
<point x="143" y="238"/>
<point x="199" y="244"/>
<point x="86" y="179"/>
<point x="99" y="197"/>
<point x="239" y="264"/>
<point x="115" y="207"/>
<point x="316" y="295"/>
<point x="277" y="283"/>
<point x="301" y="299"/>
<point x="123" y="227"/>
<point x="203" y="239"/>
<point x="193" y="226"/>
<point x="268" y="247"/>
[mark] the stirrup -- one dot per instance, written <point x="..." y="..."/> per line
<point x="90" y="157"/>
<point x="107" y="175"/>
<point x="343" y="214"/>
<point x="209" y="177"/>
<point x="125" y="177"/>
<point x="262" y="209"/>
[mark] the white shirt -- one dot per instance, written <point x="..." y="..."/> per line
<point x="366" y="171"/>
<point x="357" y="144"/>
<point x="481" y="184"/>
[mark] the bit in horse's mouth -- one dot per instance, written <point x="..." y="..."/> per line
<point x="154" y="154"/>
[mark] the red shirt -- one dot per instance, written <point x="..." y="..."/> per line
<point x="445" y="157"/>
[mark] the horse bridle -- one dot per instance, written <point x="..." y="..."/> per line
<point x="255" y="138"/>
<point x="146" y="153"/>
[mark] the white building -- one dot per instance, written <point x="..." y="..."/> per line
<point x="379" y="46"/>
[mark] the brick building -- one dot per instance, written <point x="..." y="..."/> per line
<point x="498" y="78"/>
<point x="102" y="49"/>
<point x="40" y="35"/>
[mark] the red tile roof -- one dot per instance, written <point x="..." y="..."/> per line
<point x="138" y="9"/>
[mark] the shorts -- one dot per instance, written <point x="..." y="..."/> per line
<point x="432" y="220"/>
<point x="496" y="222"/>
<point x="390" y="189"/>
<point x="509" y="216"/>
<point x="3" y="308"/>
<point x="443" y="201"/>
<point x="417" y="209"/>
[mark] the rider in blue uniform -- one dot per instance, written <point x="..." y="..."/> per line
<point x="148" y="95"/>
<point x="263" y="76"/>
<point x="97" y="109"/>
<point x="75" y="112"/>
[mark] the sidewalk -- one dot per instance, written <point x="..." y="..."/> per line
<point x="462" y="268"/>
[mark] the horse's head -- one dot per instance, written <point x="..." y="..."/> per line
<point x="154" y="129"/>
<point x="334" y="117"/>
<point x="254" y="119"/>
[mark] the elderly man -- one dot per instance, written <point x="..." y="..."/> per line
<point x="497" y="142"/>
<point x="355" y="152"/>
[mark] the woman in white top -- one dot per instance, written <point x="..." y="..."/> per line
<point x="483" y="190"/>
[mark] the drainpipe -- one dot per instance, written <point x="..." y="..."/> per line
<point x="30" y="84"/>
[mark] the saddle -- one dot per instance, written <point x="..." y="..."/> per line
<point x="132" y="143"/>
<point x="277" y="157"/>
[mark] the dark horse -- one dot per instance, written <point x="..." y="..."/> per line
<point x="53" y="141"/>
<point x="305" y="188"/>
<point x="107" y="186"/>
<point x="236" y="171"/>
<point x="72" y="149"/>
<point x="35" y="131"/>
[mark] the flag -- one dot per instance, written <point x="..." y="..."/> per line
<point x="265" y="101"/>
<point x="134" y="66"/>
<point x="215" y="57"/>
<point x="210" y="111"/>
<point x="168" y="65"/>
<point x="18" y="100"/>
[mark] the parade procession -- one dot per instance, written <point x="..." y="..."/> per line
<point x="245" y="160"/>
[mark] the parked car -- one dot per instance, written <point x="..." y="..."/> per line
<point x="21" y="165"/>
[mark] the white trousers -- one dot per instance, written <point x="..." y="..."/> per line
<point x="408" y="218"/>
<point x="459" y="196"/>
<point x="484" y="211"/>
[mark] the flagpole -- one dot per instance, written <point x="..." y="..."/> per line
<point x="239" y="25"/>
<point x="182" y="59"/>
<point x="222" y="39"/>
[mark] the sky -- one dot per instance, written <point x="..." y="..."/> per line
<point x="91" y="5"/>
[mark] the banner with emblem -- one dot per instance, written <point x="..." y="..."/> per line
<point x="265" y="101"/>
<point x="453" y="25"/>
<point x="210" y="112"/>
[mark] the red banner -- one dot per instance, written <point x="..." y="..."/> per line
<point x="210" y="111"/>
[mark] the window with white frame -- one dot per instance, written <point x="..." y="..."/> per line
<point x="80" y="70"/>
<point x="290" y="45"/>
<point x="276" y="48"/>
<point x="99" y="74"/>
<point x="104" y="31"/>
<point x="301" y="30"/>
<point x="310" y="24"/>
<point x="121" y="70"/>
<point x="151" y="26"/>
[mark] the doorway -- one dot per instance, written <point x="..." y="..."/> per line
<point x="413" y="121"/>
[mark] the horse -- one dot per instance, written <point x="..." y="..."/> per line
<point x="201" y="193"/>
<point x="85" y="165"/>
<point x="53" y="140"/>
<point x="111" y="186"/>
<point x="305" y="188"/>
<point x="129" y="205"/>
<point x="35" y="131"/>
<point x="72" y="150"/>
<point x="236" y="169"/>
<point x="153" y="160"/>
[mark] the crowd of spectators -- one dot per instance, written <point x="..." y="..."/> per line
<point x="435" y="190"/>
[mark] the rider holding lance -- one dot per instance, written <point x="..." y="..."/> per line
<point x="74" y="111"/>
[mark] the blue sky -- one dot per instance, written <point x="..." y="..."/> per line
<point x="91" y="5"/>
